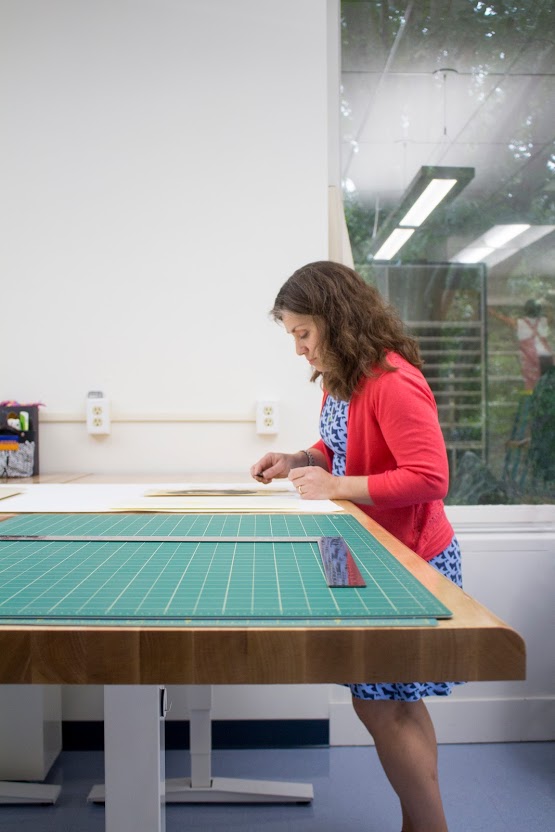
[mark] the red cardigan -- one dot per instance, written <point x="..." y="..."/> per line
<point x="394" y="438"/>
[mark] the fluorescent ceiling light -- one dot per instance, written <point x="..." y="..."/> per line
<point x="394" y="242"/>
<point x="501" y="242"/>
<point x="427" y="201"/>
<point x="433" y="185"/>
<point x="499" y="235"/>
<point x="473" y="254"/>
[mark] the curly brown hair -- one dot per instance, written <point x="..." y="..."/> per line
<point x="357" y="327"/>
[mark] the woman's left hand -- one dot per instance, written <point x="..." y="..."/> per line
<point x="313" y="483"/>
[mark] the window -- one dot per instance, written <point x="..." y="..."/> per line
<point x="462" y="93"/>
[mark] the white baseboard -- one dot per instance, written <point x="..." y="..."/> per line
<point x="463" y="721"/>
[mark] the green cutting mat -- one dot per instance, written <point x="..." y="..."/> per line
<point x="201" y="583"/>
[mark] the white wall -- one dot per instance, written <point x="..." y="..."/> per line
<point x="164" y="170"/>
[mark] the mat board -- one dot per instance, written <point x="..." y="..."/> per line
<point x="225" y="583"/>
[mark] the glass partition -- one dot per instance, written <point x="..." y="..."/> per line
<point x="462" y="93"/>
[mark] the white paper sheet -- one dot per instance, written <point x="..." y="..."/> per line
<point x="75" y="497"/>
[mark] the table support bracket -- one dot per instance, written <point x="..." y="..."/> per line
<point x="201" y="787"/>
<point x="27" y="793"/>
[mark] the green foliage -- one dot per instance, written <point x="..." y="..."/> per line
<point x="542" y="434"/>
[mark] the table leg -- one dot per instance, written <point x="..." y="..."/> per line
<point x="30" y="741"/>
<point x="134" y="793"/>
<point x="201" y="787"/>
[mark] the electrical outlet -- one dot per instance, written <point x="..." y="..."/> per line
<point x="267" y="417"/>
<point x="98" y="413"/>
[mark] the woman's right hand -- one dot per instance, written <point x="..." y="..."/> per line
<point x="273" y="466"/>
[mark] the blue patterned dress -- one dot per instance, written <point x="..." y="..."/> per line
<point x="333" y="430"/>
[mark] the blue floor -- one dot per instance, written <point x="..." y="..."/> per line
<point x="501" y="787"/>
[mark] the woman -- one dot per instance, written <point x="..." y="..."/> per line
<point x="532" y="331"/>
<point x="381" y="447"/>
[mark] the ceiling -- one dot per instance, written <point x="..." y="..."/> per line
<point x="452" y="83"/>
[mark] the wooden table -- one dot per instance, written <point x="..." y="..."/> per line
<point x="135" y="662"/>
<point x="474" y="645"/>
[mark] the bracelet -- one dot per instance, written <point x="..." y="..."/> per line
<point x="309" y="457"/>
